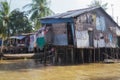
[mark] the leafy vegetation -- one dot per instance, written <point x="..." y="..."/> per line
<point x="4" y="19"/>
<point x="37" y="10"/>
<point x="98" y="3"/>
<point x="12" y="23"/>
<point x="19" y="23"/>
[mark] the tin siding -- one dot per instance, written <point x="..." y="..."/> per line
<point x="60" y="34"/>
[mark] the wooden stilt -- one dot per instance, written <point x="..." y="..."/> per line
<point x="113" y="53"/>
<point x="106" y="53"/>
<point x="99" y="54"/>
<point x="66" y="56"/>
<point x="56" y="56"/>
<point x="117" y="53"/>
<point x="82" y="55"/>
<point x="72" y="55"/>
<point x="45" y="55"/>
<point x="90" y="55"/>
<point x="94" y="55"/>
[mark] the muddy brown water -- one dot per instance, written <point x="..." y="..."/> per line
<point x="33" y="70"/>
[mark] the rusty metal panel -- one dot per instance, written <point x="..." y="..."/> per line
<point x="82" y="39"/>
<point x="60" y="34"/>
<point x="60" y="39"/>
<point x="59" y="28"/>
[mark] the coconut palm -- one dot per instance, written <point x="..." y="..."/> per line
<point x="98" y="3"/>
<point x="4" y="19"/>
<point x="38" y="9"/>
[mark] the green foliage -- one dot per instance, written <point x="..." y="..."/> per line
<point x="98" y="3"/>
<point x="38" y="9"/>
<point x="12" y="23"/>
<point x="4" y="18"/>
<point x="19" y="23"/>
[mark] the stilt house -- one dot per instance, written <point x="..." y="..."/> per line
<point x="83" y="28"/>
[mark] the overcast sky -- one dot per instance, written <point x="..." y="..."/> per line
<point x="59" y="6"/>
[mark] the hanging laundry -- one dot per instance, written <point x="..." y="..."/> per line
<point x="40" y="42"/>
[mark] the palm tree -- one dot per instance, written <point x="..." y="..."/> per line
<point x="98" y="3"/>
<point x="38" y="9"/>
<point x="4" y="19"/>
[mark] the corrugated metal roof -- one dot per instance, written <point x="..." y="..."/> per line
<point x="71" y="13"/>
<point x="74" y="13"/>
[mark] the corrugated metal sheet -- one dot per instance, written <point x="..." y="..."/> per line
<point x="72" y="13"/>
<point x="118" y="31"/>
<point x="60" y="39"/>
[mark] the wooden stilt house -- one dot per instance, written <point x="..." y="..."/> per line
<point x="83" y="28"/>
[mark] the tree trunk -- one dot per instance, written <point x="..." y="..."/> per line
<point x="2" y="45"/>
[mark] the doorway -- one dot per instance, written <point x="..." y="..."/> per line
<point x="91" y="38"/>
<point x="70" y="35"/>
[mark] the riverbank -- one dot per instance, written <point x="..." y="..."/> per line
<point x="34" y="70"/>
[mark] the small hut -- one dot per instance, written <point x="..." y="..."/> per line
<point x="89" y="31"/>
<point x="21" y="43"/>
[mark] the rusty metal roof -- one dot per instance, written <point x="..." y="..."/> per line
<point x="72" y="13"/>
<point x="75" y="13"/>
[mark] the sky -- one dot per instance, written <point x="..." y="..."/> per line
<point x="59" y="6"/>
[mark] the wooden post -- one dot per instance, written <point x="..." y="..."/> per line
<point x="45" y="55"/>
<point x="99" y="54"/>
<point x="82" y="55"/>
<point x="117" y="53"/>
<point x="94" y="55"/>
<point x="66" y="55"/>
<point x="72" y="55"/>
<point x="113" y="53"/>
<point x="90" y="55"/>
<point x="106" y="53"/>
<point x="55" y="56"/>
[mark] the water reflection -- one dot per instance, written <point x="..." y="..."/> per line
<point x="15" y="65"/>
<point x="34" y="70"/>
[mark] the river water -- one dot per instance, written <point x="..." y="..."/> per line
<point x="33" y="70"/>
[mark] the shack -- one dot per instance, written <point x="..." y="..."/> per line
<point x="23" y="43"/>
<point x="82" y="35"/>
